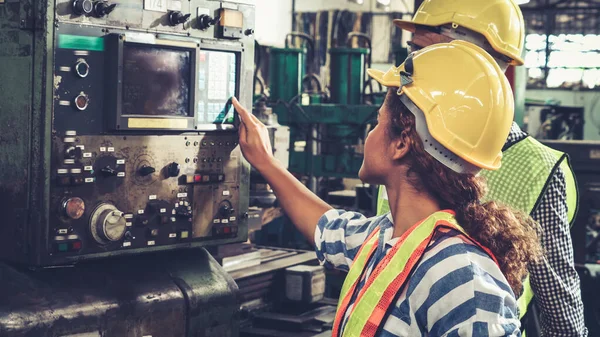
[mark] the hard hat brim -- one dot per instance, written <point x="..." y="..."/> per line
<point x="410" y="26"/>
<point x="405" y="25"/>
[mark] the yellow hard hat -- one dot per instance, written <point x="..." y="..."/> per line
<point x="500" y="21"/>
<point x="466" y="100"/>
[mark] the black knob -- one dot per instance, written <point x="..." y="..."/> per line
<point x="83" y="7"/>
<point x="173" y="169"/>
<point x="73" y="152"/>
<point x="176" y="18"/>
<point x="102" y="8"/>
<point x="205" y="21"/>
<point x="152" y="232"/>
<point x="146" y="170"/>
<point x="226" y="209"/>
<point x="108" y="171"/>
<point x="129" y="236"/>
<point x="249" y="32"/>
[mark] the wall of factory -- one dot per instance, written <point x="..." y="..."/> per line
<point x="590" y="100"/>
<point x="273" y="21"/>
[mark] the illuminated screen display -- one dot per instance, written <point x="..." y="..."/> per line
<point x="217" y="78"/>
<point x="156" y="81"/>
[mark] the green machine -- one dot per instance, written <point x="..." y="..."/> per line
<point x="326" y="128"/>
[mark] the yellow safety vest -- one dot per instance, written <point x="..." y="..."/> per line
<point x="388" y="278"/>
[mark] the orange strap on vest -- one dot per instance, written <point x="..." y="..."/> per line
<point x="380" y="289"/>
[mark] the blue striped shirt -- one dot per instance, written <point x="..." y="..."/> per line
<point x="455" y="290"/>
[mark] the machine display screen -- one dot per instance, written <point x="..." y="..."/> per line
<point x="217" y="82"/>
<point x="156" y="81"/>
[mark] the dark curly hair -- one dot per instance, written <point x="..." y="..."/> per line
<point x="511" y="235"/>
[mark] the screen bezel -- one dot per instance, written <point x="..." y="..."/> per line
<point x="114" y="69"/>
<point x="238" y="64"/>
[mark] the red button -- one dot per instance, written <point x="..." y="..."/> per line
<point x="197" y="178"/>
<point x="76" y="245"/>
<point x="227" y="230"/>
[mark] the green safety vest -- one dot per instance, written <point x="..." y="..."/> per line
<point x="526" y="163"/>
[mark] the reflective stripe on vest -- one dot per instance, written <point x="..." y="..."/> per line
<point x="388" y="277"/>
<point x="526" y="163"/>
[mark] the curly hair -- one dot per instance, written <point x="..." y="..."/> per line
<point x="509" y="234"/>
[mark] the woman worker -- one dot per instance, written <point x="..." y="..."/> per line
<point x="441" y="263"/>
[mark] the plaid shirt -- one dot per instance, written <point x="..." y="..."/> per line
<point x="554" y="280"/>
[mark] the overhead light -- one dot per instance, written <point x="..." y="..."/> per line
<point x="384" y="4"/>
<point x="360" y="2"/>
<point x="522" y="2"/>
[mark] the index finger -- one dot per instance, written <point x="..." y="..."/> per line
<point x="244" y="114"/>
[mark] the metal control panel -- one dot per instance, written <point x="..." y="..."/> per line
<point x="134" y="147"/>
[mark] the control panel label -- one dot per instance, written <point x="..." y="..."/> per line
<point x="66" y="41"/>
<point x="128" y="216"/>
<point x="152" y="197"/>
<point x="232" y="219"/>
<point x="224" y="221"/>
<point x="71" y="133"/>
<point x="62" y="171"/>
<point x="151" y="243"/>
<point x="217" y="221"/>
<point x="120" y="161"/>
<point x="126" y="244"/>
<point x="141" y="211"/>
<point x="121" y="174"/>
<point x="181" y="195"/>
<point x="172" y="235"/>
<point x="595" y="154"/>
<point x="76" y="171"/>
<point x="226" y="193"/>
<point x="102" y="149"/>
<point x="62" y="231"/>
<point x="89" y="180"/>
<point x="128" y="224"/>
<point x="69" y="161"/>
<point x="155" y="5"/>
<point x="87" y="155"/>
<point x="88" y="168"/>
<point x="111" y="149"/>
<point x="163" y="210"/>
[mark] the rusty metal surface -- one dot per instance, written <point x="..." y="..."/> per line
<point x="173" y="294"/>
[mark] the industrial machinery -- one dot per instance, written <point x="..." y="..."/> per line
<point x="326" y="127"/>
<point x="555" y="122"/>
<point x="118" y="135"/>
<point x="118" y="138"/>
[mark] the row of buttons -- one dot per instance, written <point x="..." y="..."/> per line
<point x="211" y="143"/>
<point x="203" y="178"/>
<point x="66" y="247"/>
<point x="230" y="230"/>
<point x="75" y="180"/>
<point x="182" y="235"/>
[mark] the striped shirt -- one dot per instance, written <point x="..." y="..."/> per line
<point x="455" y="290"/>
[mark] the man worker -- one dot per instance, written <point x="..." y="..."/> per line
<point x="534" y="178"/>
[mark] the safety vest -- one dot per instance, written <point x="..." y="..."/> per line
<point x="388" y="277"/>
<point x="527" y="169"/>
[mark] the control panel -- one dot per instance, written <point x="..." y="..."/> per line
<point x="141" y="135"/>
<point x="131" y="192"/>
